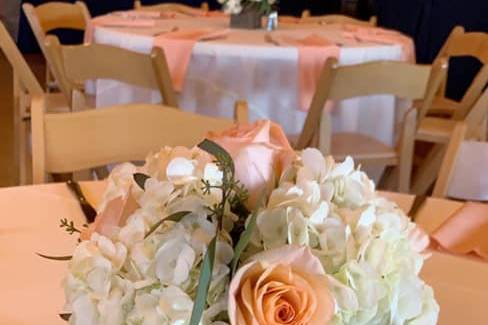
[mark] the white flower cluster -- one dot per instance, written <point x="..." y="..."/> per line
<point x="363" y="241"/>
<point x="130" y="279"/>
<point x="366" y="244"/>
<point x="235" y="7"/>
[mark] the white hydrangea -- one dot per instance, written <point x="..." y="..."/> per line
<point x="131" y="279"/>
<point x="366" y="244"/>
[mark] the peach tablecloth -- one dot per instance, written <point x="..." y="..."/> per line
<point x="30" y="287"/>
<point x="244" y="65"/>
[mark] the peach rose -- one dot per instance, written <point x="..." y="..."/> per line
<point x="282" y="286"/>
<point x="260" y="152"/>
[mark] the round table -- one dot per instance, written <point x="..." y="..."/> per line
<point x="244" y="65"/>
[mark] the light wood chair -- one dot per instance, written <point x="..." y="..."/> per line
<point x="336" y="19"/>
<point x="64" y="143"/>
<point x="462" y="44"/>
<point x="404" y="80"/>
<point x="25" y="86"/>
<point x="53" y="15"/>
<point x="76" y="64"/>
<point x="461" y="175"/>
<point x="175" y="7"/>
<point x="444" y="113"/>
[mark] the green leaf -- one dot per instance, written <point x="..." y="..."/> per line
<point x="204" y="283"/>
<point x="141" y="179"/>
<point x="247" y="234"/>
<point x="217" y="151"/>
<point x="65" y="316"/>
<point x="55" y="258"/>
<point x="243" y="242"/>
<point x="176" y="217"/>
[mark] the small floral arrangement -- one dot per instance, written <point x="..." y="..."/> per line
<point x="235" y="7"/>
<point x="242" y="230"/>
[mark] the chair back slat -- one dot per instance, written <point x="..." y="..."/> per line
<point x="97" y="61"/>
<point x="75" y="64"/>
<point x="401" y="79"/>
<point x="54" y="15"/>
<point x="462" y="44"/>
<point x="68" y="142"/>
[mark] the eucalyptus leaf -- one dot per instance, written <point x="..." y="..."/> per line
<point x="243" y="242"/>
<point x="204" y="283"/>
<point x="55" y="258"/>
<point x="176" y="217"/>
<point x="217" y="151"/>
<point x="141" y="179"/>
<point x="65" y="316"/>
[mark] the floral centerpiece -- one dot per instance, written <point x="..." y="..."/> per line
<point x="247" y="13"/>
<point x="242" y="230"/>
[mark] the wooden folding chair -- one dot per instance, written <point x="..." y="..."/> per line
<point x="336" y="19"/>
<point x="462" y="44"/>
<point x="175" y="7"/>
<point x="53" y="15"/>
<point x="63" y="143"/>
<point x="25" y="86"/>
<point x="461" y="176"/>
<point x="438" y="126"/>
<point x="404" y="80"/>
<point x="74" y="65"/>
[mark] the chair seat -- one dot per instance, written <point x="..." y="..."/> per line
<point x="435" y="129"/>
<point x="56" y="103"/>
<point x="443" y="106"/>
<point x="363" y="149"/>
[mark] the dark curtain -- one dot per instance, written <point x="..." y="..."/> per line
<point x="429" y="23"/>
<point x="317" y="7"/>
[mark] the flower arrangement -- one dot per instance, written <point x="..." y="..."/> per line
<point x="242" y="230"/>
<point x="235" y="7"/>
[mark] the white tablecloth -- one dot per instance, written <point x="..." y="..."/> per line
<point x="244" y="66"/>
<point x="31" y="291"/>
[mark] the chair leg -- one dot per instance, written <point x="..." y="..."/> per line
<point x="389" y="179"/>
<point x="425" y="177"/>
<point x="445" y="173"/>
<point x="23" y="151"/>
<point x="484" y="130"/>
<point x="405" y="151"/>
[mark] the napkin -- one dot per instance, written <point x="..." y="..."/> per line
<point x="381" y="36"/>
<point x="120" y="21"/>
<point x="178" y="47"/>
<point x="465" y="232"/>
<point x="135" y="14"/>
<point x="313" y="51"/>
<point x="115" y="21"/>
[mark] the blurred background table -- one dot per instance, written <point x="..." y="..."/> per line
<point x="245" y="65"/>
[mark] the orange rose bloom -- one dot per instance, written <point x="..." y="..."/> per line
<point x="283" y="286"/>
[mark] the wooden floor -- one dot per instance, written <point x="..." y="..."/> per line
<point x="8" y="168"/>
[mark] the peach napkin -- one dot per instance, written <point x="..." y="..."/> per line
<point x="115" y="21"/>
<point x="465" y="232"/>
<point x="313" y="51"/>
<point x="382" y="36"/>
<point x="135" y="14"/>
<point x="178" y="47"/>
